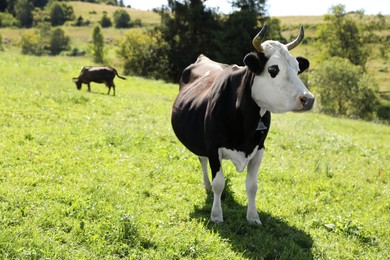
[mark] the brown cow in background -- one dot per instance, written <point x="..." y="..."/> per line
<point x="99" y="75"/>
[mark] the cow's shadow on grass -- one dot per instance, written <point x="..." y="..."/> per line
<point x="274" y="239"/>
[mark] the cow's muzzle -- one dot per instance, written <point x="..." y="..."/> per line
<point x="307" y="102"/>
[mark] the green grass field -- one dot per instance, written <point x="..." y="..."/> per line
<point x="90" y="176"/>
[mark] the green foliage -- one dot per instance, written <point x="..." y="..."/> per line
<point x="345" y="89"/>
<point x="44" y="41"/>
<point x="239" y="29"/>
<point x="81" y="22"/>
<point x="87" y="176"/>
<point x="347" y="35"/>
<point x="7" y="20"/>
<point x="30" y="43"/>
<point x="142" y="53"/>
<point x="189" y="32"/>
<point x="59" y="13"/>
<point x="24" y="12"/>
<point x="58" y="41"/>
<point x="98" y="45"/>
<point x="121" y="19"/>
<point x="105" y="22"/>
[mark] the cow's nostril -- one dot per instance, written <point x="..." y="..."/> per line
<point x="307" y="102"/>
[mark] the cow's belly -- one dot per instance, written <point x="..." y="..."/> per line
<point x="238" y="158"/>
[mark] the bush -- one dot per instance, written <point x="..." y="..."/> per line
<point x="121" y="19"/>
<point x="98" y="45"/>
<point x="24" y="12"/>
<point x="60" y="13"/>
<point x="7" y="20"/>
<point x="143" y="54"/>
<point x="344" y="89"/>
<point x="105" y="22"/>
<point x="30" y="43"/>
<point x="58" y="41"/>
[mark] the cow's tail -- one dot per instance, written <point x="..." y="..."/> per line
<point x="116" y="73"/>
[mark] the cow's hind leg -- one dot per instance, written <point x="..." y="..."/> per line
<point x="218" y="186"/>
<point x="251" y="187"/>
<point x="109" y="85"/>
<point x="206" y="180"/>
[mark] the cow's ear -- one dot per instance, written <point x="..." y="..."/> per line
<point x="255" y="62"/>
<point x="303" y="64"/>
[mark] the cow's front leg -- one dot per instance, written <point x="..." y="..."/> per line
<point x="218" y="186"/>
<point x="89" y="87"/>
<point x="206" y="180"/>
<point x="251" y="187"/>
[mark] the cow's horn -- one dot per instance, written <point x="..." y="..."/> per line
<point x="259" y="38"/>
<point x="297" y="41"/>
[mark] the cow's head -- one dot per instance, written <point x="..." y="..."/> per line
<point x="78" y="83"/>
<point x="276" y="86"/>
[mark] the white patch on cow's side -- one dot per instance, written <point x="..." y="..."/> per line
<point x="238" y="158"/>
<point x="218" y="186"/>
<point x="206" y="180"/>
<point x="251" y="187"/>
<point x="282" y="93"/>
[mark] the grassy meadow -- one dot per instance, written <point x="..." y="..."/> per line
<point x="91" y="176"/>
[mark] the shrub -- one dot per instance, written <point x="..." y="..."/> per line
<point x="121" y="19"/>
<point x="60" y="13"/>
<point x="30" y="43"/>
<point x="143" y="54"/>
<point x="105" y="22"/>
<point x="344" y="89"/>
<point x="98" y="45"/>
<point x="24" y="12"/>
<point x="58" y="41"/>
<point x="7" y="20"/>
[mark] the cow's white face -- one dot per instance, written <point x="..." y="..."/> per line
<point x="278" y="88"/>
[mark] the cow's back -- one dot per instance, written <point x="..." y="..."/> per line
<point x="190" y="106"/>
<point x="97" y="74"/>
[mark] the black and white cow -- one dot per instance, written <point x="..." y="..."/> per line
<point x="224" y="111"/>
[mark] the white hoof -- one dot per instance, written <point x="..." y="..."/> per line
<point x="255" y="222"/>
<point x="216" y="220"/>
<point x="216" y="217"/>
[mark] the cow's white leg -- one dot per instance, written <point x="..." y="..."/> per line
<point x="218" y="186"/>
<point x="251" y="187"/>
<point x="206" y="180"/>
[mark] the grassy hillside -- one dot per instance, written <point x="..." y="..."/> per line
<point x="90" y="176"/>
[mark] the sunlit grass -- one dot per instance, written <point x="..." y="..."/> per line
<point x="91" y="176"/>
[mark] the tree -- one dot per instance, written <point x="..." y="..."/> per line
<point x="58" y="41"/>
<point x="344" y="89"/>
<point x="189" y="29"/>
<point x="105" y="21"/>
<point x="239" y="29"/>
<point x="60" y="13"/>
<point x="121" y="19"/>
<point x="342" y="37"/>
<point x="143" y="53"/>
<point x="98" y="45"/>
<point x="24" y="12"/>
<point x="57" y="15"/>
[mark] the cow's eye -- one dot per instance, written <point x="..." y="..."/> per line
<point x="273" y="70"/>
